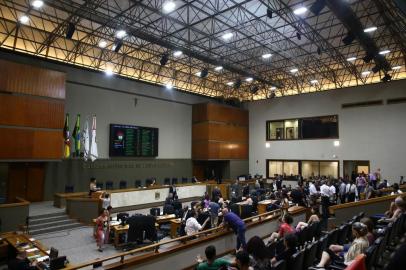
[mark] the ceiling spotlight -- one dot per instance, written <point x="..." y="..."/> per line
<point x="249" y="79"/>
<point x="237" y="84"/>
<point x="117" y="45"/>
<point x="198" y="73"/>
<point x="294" y="70"/>
<point x="314" y="81"/>
<point x="121" y="33"/>
<point x="348" y="39"/>
<point x="204" y="73"/>
<point x="24" y="19"/>
<point x="350" y="59"/>
<point x="227" y="36"/>
<point x="318" y="6"/>
<point x="266" y="56"/>
<point x="396" y="67"/>
<point x="370" y="29"/>
<point x="37" y="3"/>
<point x="273" y="88"/>
<point x="218" y="68"/>
<point x="298" y="35"/>
<point x="109" y="71"/>
<point x="386" y="78"/>
<point x="230" y="83"/>
<point x="168" y="6"/>
<point x="384" y="52"/>
<point x="177" y="53"/>
<point x="168" y="86"/>
<point x="300" y="11"/>
<point x="367" y="58"/>
<point x="269" y="13"/>
<point x="164" y="59"/>
<point x="365" y="73"/>
<point x="102" y="44"/>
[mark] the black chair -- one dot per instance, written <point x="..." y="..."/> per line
<point x="99" y="185"/>
<point x="168" y="209"/>
<point x="235" y="208"/>
<point x="137" y="183"/>
<point x="167" y="181"/>
<point x="279" y="265"/>
<point x="69" y="189"/>
<point x="310" y="255"/>
<point x="155" y="212"/>
<point x="343" y="233"/>
<point x="246" y="211"/>
<point x="174" y="181"/>
<point x="123" y="184"/>
<point x="148" y="182"/>
<point x="321" y="246"/>
<point x="371" y="254"/>
<point x="184" y="180"/>
<point x="332" y="237"/>
<point x="109" y="185"/>
<point x="123" y="217"/>
<point x="296" y="261"/>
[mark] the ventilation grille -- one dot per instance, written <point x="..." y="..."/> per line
<point x="396" y="100"/>
<point x="362" y="104"/>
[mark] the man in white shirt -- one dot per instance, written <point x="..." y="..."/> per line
<point x="192" y="226"/>
<point x="342" y="191"/>
<point x="351" y="191"/>
<point x="325" y="199"/>
<point x="332" y="193"/>
<point x="313" y="193"/>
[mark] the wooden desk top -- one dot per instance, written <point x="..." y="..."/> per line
<point x="23" y="242"/>
<point x="267" y="202"/>
<point x="165" y="218"/>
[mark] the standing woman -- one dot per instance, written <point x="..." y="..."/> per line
<point x="102" y="229"/>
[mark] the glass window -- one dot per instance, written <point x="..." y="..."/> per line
<point x="319" y="127"/>
<point x="329" y="168"/>
<point x="310" y="168"/>
<point x="276" y="130"/>
<point x="275" y="167"/>
<point x="290" y="168"/>
<point x="291" y="129"/>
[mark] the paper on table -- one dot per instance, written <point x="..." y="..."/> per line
<point x="32" y="239"/>
<point x="32" y="249"/>
<point x="43" y="258"/>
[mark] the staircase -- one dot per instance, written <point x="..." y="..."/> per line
<point x="54" y="222"/>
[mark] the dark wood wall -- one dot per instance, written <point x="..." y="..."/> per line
<point x="219" y="132"/>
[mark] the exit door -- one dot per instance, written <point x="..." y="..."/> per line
<point x="26" y="180"/>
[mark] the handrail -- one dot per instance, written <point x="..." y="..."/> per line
<point x="20" y="202"/>
<point x="155" y="247"/>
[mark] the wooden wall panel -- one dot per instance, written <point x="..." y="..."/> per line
<point x="205" y="150"/>
<point x="219" y="113"/>
<point x="30" y="144"/>
<point x="31" y="112"/>
<point x="26" y="79"/>
<point x="219" y="132"/>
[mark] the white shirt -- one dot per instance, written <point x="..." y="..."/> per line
<point x="342" y="188"/>
<point x="106" y="203"/>
<point x="332" y="190"/>
<point x="351" y="188"/>
<point x="192" y="226"/>
<point x="312" y="189"/>
<point x="399" y="192"/>
<point x="325" y="190"/>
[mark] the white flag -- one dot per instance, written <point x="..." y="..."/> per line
<point x="86" y="140"/>
<point x="93" y="147"/>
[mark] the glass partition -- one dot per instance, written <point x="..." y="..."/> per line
<point x="310" y="169"/>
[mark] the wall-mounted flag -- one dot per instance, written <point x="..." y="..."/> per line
<point x="76" y="136"/>
<point x="66" y="138"/>
<point x="93" y="146"/>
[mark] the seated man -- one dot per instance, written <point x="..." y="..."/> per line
<point x="212" y="263"/>
<point x="21" y="262"/>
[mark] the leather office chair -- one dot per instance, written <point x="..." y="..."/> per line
<point x="137" y="183"/>
<point x="109" y="185"/>
<point x="167" y="181"/>
<point x="123" y="184"/>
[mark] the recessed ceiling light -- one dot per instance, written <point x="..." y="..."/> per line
<point x="365" y="73"/>
<point x="121" y="33"/>
<point x="198" y="73"/>
<point x="273" y="88"/>
<point x="384" y="52"/>
<point x="109" y="71"/>
<point x="177" y="53"/>
<point x="230" y="83"/>
<point x="350" y="59"/>
<point x="294" y="70"/>
<point x="314" y="81"/>
<point x="218" y="68"/>
<point x="227" y="36"/>
<point x="102" y="44"/>
<point x="249" y="79"/>
<point x="168" y="6"/>
<point x="397" y="67"/>
<point x="168" y="86"/>
<point x="266" y="56"/>
<point x="300" y="11"/>
<point x="370" y="29"/>
<point x="336" y="143"/>
<point x="24" y="19"/>
<point x="37" y="3"/>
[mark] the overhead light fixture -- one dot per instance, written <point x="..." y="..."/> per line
<point x="204" y="73"/>
<point x="273" y="88"/>
<point x="386" y="78"/>
<point x="314" y="81"/>
<point x="300" y="10"/>
<point x="164" y="59"/>
<point x="117" y="45"/>
<point x="227" y="36"/>
<point x="269" y="13"/>
<point x="267" y="145"/>
<point x="318" y="6"/>
<point x="348" y="39"/>
<point x="168" y="85"/>
<point x="249" y="79"/>
<point x="350" y="59"/>
<point x="336" y="143"/>
<point x="109" y="71"/>
<point x="230" y="83"/>
<point x="384" y="52"/>
<point x="396" y="67"/>
<point x="37" y="3"/>
<point x="102" y="44"/>
<point x="294" y="70"/>
<point x="218" y="68"/>
<point x="266" y="56"/>
<point x="365" y="73"/>
<point x="198" y="73"/>
<point x="177" y="53"/>
<point x="121" y="33"/>
<point x="24" y="19"/>
<point x="168" y="6"/>
<point x="370" y="29"/>
<point x="298" y="35"/>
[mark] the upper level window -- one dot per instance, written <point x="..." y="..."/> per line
<point x="323" y="127"/>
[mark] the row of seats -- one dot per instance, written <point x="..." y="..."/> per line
<point x="109" y="185"/>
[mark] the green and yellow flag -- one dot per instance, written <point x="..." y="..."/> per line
<point x="66" y="138"/>
<point x="76" y="136"/>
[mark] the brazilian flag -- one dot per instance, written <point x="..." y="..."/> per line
<point x="76" y="136"/>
